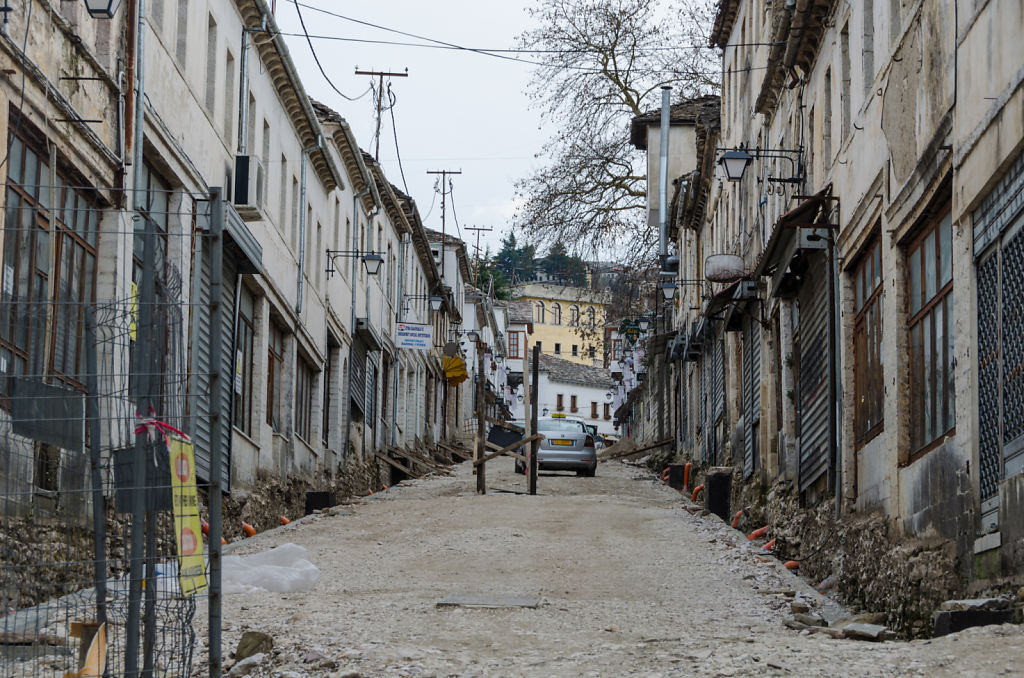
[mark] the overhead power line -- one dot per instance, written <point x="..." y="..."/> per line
<point x="312" y="49"/>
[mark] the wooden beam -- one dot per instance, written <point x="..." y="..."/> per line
<point x="506" y="450"/>
<point x="397" y="465"/>
<point x="643" y="449"/>
<point x="409" y="454"/>
<point x="507" y="424"/>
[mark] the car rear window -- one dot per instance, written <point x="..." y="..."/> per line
<point x="560" y="425"/>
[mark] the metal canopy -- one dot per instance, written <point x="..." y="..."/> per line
<point x="796" y="232"/>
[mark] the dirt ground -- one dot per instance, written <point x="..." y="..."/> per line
<point x="631" y="584"/>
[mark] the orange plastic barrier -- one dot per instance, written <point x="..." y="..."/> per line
<point x="248" y="529"/>
<point x="736" y="518"/>
<point x="206" y="529"/>
<point x="769" y="546"/>
<point x="758" y="533"/>
<point x="284" y="521"/>
<point x="792" y="564"/>
<point x="686" y="474"/>
<point x="697" y="490"/>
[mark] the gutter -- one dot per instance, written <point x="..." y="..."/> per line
<point x="293" y="78"/>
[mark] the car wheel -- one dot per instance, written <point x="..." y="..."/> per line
<point x="592" y="471"/>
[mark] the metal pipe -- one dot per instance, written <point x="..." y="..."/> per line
<point x="243" y="88"/>
<point x="145" y="313"/>
<point x="300" y="282"/>
<point x="217" y="426"/>
<point x="666" y="105"/>
<point x="95" y="462"/>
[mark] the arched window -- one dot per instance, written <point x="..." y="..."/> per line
<point x="538" y="312"/>
<point x="556" y="313"/>
<point x="574" y="315"/>
<point x="591" y="317"/>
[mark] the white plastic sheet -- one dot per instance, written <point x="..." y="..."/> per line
<point x="284" y="569"/>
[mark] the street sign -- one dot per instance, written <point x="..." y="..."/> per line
<point x="415" y="336"/>
<point x="630" y="330"/>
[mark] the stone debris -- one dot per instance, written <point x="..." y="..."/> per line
<point x="872" y="632"/>
<point x="809" y="619"/>
<point x="799" y="606"/>
<point x="246" y="666"/>
<point x="252" y="643"/>
<point x="1000" y="603"/>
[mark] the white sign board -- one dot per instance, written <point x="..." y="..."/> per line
<point x="413" y="335"/>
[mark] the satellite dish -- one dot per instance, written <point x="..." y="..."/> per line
<point x="723" y="268"/>
<point x="451" y="349"/>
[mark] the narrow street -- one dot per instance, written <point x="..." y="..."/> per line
<point x="630" y="584"/>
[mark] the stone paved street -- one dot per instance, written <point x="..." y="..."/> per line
<point x="631" y="582"/>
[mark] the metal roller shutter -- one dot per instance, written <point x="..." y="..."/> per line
<point x="751" y="396"/>
<point x="202" y="369"/>
<point x="812" y="397"/>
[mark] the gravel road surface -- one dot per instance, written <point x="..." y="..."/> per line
<point x="630" y="583"/>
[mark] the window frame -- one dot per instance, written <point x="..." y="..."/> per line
<point x="559" y="402"/>
<point x="593" y="409"/>
<point x="869" y="374"/>
<point x="45" y="280"/>
<point x="246" y="343"/>
<point x="556" y="313"/>
<point x="921" y="441"/>
<point x="276" y="352"/>
<point x="573" y="403"/>
<point x="305" y="389"/>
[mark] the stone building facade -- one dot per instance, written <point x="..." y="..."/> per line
<point x="863" y="351"/>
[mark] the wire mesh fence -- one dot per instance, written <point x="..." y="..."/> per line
<point x="101" y="547"/>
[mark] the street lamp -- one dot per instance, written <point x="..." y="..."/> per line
<point x="735" y="163"/>
<point x="644" y="324"/>
<point x="102" y="9"/>
<point x="544" y="413"/>
<point x="609" y="396"/>
<point x="668" y="289"/>
<point x="371" y="260"/>
<point x="473" y="336"/>
<point x="435" y="301"/>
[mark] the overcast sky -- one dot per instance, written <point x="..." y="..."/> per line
<point x="456" y="110"/>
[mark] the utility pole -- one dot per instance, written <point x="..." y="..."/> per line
<point x="380" y="75"/>
<point x="479" y="230"/>
<point x="444" y="191"/>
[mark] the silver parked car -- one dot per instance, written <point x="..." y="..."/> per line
<point x="567" y="446"/>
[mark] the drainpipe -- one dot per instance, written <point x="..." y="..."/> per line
<point x="299" y="283"/>
<point x="402" y="249"/>
<point x="356" y="197"/>
<point x="666" y="104"/>
<point x="243" y="88"/>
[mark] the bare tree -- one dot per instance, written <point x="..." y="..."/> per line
<point x="604" y="62"/>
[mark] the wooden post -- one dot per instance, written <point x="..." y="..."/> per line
<point x="535" y="445"/>
<point x="481" y="422"/>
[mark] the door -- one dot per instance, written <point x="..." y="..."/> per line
<point x="812" y="387"/>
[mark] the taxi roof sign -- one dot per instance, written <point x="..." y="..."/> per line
<point x="558" y="415"/>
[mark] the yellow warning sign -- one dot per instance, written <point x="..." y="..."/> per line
<point x="133" y="311"/>
<point x="187" y="525"/>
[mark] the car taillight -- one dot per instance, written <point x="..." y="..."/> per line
<point x="589" y="442"/>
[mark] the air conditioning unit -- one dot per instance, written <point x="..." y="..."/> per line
<point x="249" y="183"/>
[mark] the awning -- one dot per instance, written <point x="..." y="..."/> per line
<point x="720" y="300"/>
<point x="626" y="408"/>
<point x="247" y="249"/>
<point x="455" y="370"/>
<point x="798" y="232"/>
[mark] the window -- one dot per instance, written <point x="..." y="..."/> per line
<point x="558" y="349"/>
<point x="211" y="66"/>
<point x="593" y="410"/>
<point x="593" y="352"/>
<point x="181" y="44"/>
<point x="229" y="98"/>
<point x="575" y="350"/>
<point x="574" y="315"/>
<point x="572" y="404"/>
<point x="868" y="47"/>
<point x="560" y="402"/>
<point x="49" y="257"/>
<point x="616" y="349"/>
<point x="826" y="121"/>
<point x="869" y="387"/>
<point x="242" y="387"/>
<point x="282" y="223"/>
<point x="591" y="317"/>
<point x="607" y="411"/>
<point x="929" y="306"/>
<point x="556" y="314"/>
<point x="305" y="377"/>
<point x="844" y="99"/>
<point x="275" y="373"/>
<point x="514" y="345"/>
<point x="538" y="312"/>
